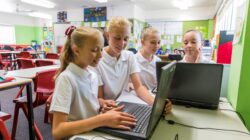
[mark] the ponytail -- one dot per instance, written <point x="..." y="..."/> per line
<point x="66" y="55"/>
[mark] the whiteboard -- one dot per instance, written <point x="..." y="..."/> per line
<point x="59" y="33"/>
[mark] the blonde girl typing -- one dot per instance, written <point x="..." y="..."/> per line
<point x="118" y="66"/>
<point x="75" y="106"/>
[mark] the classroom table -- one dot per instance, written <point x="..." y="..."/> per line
<point x="223" y="118"/>
<point x="19" y="82"/>
<point x="30" y="72"/>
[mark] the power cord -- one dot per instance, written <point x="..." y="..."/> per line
<point x="171" y="122"/>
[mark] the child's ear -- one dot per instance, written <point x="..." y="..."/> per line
<point x="75" y="50"/>
<point x="142" y="41"/>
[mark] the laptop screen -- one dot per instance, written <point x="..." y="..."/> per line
<point x="200" y="83"/>
<point x="161" y="96"/>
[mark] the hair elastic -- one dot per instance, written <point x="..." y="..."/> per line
<point x="69" y="30"/>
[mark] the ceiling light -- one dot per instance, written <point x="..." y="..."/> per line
<point x="101" y="1"/>
<point x="182" y="4"/>
<point x="6" y="7"/>
<point x="40" y="15"/>
<point x="42" y="3"/>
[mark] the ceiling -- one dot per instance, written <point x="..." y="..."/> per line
<point x="73" y="4"/>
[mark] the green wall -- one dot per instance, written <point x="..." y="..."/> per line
<point x="24" y="34"/>
<point x="205" y="26"/>
<point x="239" y="78"/>
<point x="201" y="25"/>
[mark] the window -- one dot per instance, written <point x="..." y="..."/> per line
<point x="7" y="34"/>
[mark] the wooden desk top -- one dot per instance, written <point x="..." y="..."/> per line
<point x="16" y="82"/>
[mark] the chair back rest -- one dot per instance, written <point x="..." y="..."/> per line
<point x="44" y="81"/>
<point x="52" y="56"/>
<point x="24" y="55"/>
<point x="24" y="63"/>
<point x="40" y="63"/>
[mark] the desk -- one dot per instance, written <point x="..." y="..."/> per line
<point x="196" y="117"/>
<point x="31" y="72"/>
<point x="27" y="82"/>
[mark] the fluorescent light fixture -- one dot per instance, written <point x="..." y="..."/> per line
<point x="5" y="6"/>
<point x="42" y="3"/>
<point x="101" y="1"/>
<point x="40" y="15"/>
<point x="182" y="4"/>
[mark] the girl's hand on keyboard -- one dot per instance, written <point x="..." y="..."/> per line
<point x="107" y="105"/>
<point x="120" y="120"/>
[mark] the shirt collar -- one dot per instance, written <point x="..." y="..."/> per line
<point x="108" y="58"/>
<point x="141" y="59"/>
<point x="200" y="59"/>
<point x="83" y="73"/>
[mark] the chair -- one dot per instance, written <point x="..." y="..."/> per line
<point x="47" y="114"/>
<point x="24" y="63"/>
<point x="24" y="55"/>
<point x="7" y="47"/>
<point x="5" y="64"/>
<point x="3" y="129"/>
<point x="40" y="63"/>
<point x="52" y="56"/>
<point x="59" y="49"/>
<point x="44" y="86"/>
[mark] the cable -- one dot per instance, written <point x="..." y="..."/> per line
<point x="176" y="137"/>
<point x="101" y="137"/>
<point x="204" y="128"/>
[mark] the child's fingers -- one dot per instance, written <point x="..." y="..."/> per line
<point x="124" y="127"/>
<point x="119" y="108"/>
<point x="127" y="115"/>
<point x="112" y="103"/>
<point x="128" y="123"/>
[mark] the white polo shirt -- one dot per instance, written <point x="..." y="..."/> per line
<point x="201" y="59"/>
<point x="148" y="70"/>
<point x="114" y="74"/>
<point x="75" y="93"/>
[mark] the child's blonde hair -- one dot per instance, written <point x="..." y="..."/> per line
<point x="78" y="37"/>
<point x="118" y="22"/>
<point x="148" y="31"/>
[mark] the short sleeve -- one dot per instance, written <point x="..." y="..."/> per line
<point x="133" y="64"/>
<point x="62" y="96"/>
<point x="97" y="71"/>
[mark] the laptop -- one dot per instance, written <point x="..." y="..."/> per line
<point x="195" y="84"/>
<point x="147" y="116"/>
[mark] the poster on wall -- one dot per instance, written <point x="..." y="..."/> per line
<point x="239" y="21"/>
<point x="95" y="14"/>
<point x="62" y="17"/>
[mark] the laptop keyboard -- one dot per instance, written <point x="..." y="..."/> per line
<point x="141" y="113"/>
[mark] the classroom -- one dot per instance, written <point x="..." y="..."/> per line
<point x="124" y="69"/>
